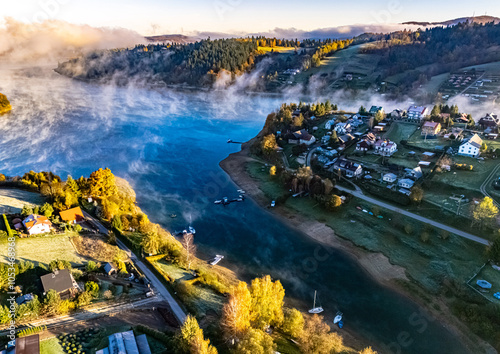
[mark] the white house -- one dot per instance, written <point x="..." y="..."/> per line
<point x="406" y="183"/>
<point x="37" y="224"/>
<point x="329" y="124"/>
<point x="471" y="147"/>
<point x="385" y="147"/>
<point x="390" y="178"/>
<point x="416" y="113"/>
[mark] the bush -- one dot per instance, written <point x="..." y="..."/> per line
<point x="424" y="237"/>
<point x="408" y="229"/>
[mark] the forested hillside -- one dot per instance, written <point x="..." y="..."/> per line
<point x="442" y="48"/>
<point x="199" y="63"/>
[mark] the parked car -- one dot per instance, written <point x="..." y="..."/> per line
<point x="273" y="204"/>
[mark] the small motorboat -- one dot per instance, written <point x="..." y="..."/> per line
<point x="341" y="323"/>
<point x="315" y="309"/>
<point x="497" y="295"/>
<point x="483" y="284"/>
<point x="192" y="230"/>
<point x="229" y="141"/>
<point x="338" y="318"/>
<point x="241" y="191"/>
<point x="173" y="216"/>
<point x="218" y="202"/>
<point x="217" y="259"/>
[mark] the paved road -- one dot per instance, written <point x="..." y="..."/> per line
<point x="487" y="182"/>
<point x="176" y="309"/>
<point x="457" y="232"/>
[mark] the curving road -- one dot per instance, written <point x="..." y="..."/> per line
<point x="487" y="182"/>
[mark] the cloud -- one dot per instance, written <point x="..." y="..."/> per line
<point x="53" y="39"/>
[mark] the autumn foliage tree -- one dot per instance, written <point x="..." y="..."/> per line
<point x="267" y="302"/>
<point x="316" y="337"/>
<point x="484" y="212"/>
<point x="192" y="339"/>
<point x="236" y="315"/>
<point x="269" y="144"/>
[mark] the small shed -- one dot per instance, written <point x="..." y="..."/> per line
<point x="110" y="269"/>
<point x="424" y="163"/>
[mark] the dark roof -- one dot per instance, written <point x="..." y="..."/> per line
<point x="60" y="280"/>
<point x="28" y="345"/>
<point x="108" y="267"/>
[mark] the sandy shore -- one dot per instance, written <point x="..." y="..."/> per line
<point x="375" y="264"/>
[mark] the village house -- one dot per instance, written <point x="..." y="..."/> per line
<point x="454" y="133"/>
<point x="390" y="178"/>
<point x="444" y="116"/>
<point x="61" y="281"/>
<point x="37" y="224"/>
<point x="414" y="174"/>
<point x="347" y="168"/>
<point x="397" y="114"/>
<point x="126" y="342"/>
<point x="416" y="113"/>
<point x="385" y="147"/>
<point x="431" y="128"/>
<point x="344" y="139"/>
<point x="375" y="109"/>
<point x="489" y="121"/>
<point x="366" y="143"/>
<point x="471" y="147"/>
<point x="462" y="118"/>
<point x="72" y="216"/>
<point x="302" y="137"/>
<point x="343" y="128"/>
<point x="406" y="183"/>
<point x="329" y="124"/>
<point x="110" y="269"/>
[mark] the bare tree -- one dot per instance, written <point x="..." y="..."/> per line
<point x="189" y="246"/>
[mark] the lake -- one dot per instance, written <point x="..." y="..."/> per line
<point x="168" y="145"/>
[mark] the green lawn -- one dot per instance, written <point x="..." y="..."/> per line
<point x="12" y="200"/>
<point x="492" y="276"/>
<point x="267" y="183"/>
<point x="43" y="249"/>
<point x="51" y="346"/>
<point x="204" y="299"/>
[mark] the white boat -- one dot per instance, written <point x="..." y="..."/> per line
<point x="192" y="230"/>
<point x="218" y="202"/>
<point x="229" y="141"/>
<point x="315" y="309"/>
<point x="338" y="317"/>
<point x="217" y="259"/>
<point x="241" y="191"/>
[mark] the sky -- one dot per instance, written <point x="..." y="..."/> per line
<point x="149" y="17"/>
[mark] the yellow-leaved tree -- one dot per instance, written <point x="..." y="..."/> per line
<point x="316" y="337"/>
<point x="193" y="340"/>
<point x="269" y="144"/>
<point x="236" y="314"/>
<point x="267" y="302"/>
<point x="484" y="212"/>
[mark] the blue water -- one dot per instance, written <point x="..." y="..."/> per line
<point x="168" y="145"/>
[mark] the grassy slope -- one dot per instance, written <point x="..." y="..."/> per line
<point x="13" y="200"/>
<point x="44" y="249"/>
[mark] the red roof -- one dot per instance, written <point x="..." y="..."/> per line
<point x="74" y="214"/>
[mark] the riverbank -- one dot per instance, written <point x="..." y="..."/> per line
<point x="376" y="264"/>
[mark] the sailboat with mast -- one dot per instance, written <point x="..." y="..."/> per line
<point x="315" y="309"/>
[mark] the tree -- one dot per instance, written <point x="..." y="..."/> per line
<point x="92" y="266"/>
<point x="269" y="144"/>
<point x="192" y="339"/>
<point x="47" y="210"/>
<point x="272" y="171"/>
<point x="116" y="223"/>
<point x="379" y="116"/>
<point x="293" y="325"/>
<point x="189" y="248"/>
<point x="26" y="211"/>
<point x="102" y="183"/>
<point x="334" y="139"/>
<point x="51" y="303"/>
<point x="236" y="313"/>
<point x="333" y="202"/>
<point x="151" y="242"/>
<point x="484" y="147"/>
<point x="368" y="350"/>
<point x="92" y="288"/>
<point x="267" y="302"/>
<point x="485" y="211"/>
<point x="436" y="111"/>
<point x="362" y="110"/>
<point x="317" y="338"/>
<point x="416" y="194"/>
<point x="256" y="341"/>
<point x="304" y="173"/>
<point x="84" y="299"/>
<point x="298" y="121"/>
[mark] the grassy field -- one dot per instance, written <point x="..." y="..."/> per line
<point x="204" y="300"/>
<point x="13" y="200"/>
<point x="277" y="49"/>
<point x="43" y="249"/>
<point x="492" y="276"/>
<point x="267" y="184"/>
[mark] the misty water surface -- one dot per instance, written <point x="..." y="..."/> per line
<point x="168" y="145"/>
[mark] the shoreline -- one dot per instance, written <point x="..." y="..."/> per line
<point x="375" y="264"/>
